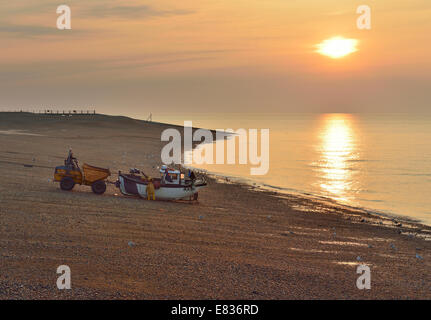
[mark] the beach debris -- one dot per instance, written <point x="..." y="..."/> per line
<point x="370" y="246"/>
<point x="269" y="216"/>
<point x="398" y="224"/>
<point x="393" y="246"/>
<point x="419" y="257"/>
<point x="358" y="258"/>
<point x="131" y="244"/>
<point x="201" y="217"/>
<point x="334" y="234"/>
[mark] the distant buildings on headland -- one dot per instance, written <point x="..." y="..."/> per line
<point x="56" y="112"/>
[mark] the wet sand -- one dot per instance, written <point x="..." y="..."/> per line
<point x="236" y="242"/>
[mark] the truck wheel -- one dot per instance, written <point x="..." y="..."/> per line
<point x="67" y="184"/>
<point x="99" y="187"/>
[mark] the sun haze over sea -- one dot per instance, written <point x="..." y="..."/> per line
<point x="248" y="55"/>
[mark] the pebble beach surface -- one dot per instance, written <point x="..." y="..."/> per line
<point x="236" y="242"/>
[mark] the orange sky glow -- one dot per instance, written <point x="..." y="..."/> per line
<point x="225" y="55"/>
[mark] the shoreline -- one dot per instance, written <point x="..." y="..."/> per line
<point x="263" y="187"/>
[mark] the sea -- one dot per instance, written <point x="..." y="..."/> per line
<point x="380" y="162"/>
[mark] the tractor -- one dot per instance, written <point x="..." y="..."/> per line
<point x="71" y="174"/>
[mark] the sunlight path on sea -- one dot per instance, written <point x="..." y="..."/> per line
<point x="337" y="150"/>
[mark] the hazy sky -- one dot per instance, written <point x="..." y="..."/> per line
<point x="133" y="57"/>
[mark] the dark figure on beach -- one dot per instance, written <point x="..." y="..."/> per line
<point x="167" y="176"/>
<point x="151" y="195"/>
<point x="71" y="161"/>
<point x="192" y="175"/>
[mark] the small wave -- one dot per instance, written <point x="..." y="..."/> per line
<point x="414" y="174"/>
<point x="362" y="160"/>
<point x="371" y="200"/>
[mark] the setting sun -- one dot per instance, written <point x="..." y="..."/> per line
<point x="337" y="47"/>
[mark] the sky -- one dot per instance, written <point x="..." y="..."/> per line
<point x="136" y="57"/>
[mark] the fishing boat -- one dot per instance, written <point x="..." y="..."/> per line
<point x="172" y="185"/>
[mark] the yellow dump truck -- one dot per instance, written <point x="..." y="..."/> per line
<point x="71" y="174"/>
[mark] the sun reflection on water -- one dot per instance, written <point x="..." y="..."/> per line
<point x="337" y="151"/>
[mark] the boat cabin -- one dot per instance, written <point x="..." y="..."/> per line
<point x="174" y="176"/>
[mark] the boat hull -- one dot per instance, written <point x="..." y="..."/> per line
<point x="132" y="187"/>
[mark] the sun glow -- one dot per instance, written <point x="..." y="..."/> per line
<point x="337" y="47"/>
